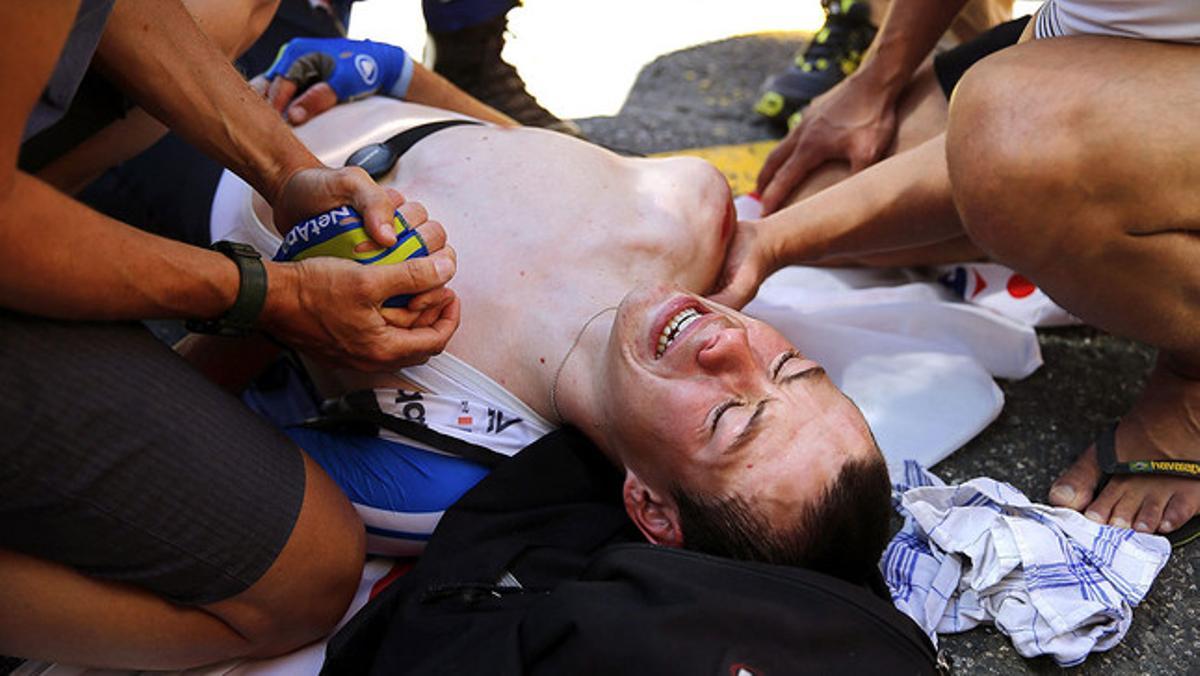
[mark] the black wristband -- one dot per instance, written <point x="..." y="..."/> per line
<point x="240" y="319"/>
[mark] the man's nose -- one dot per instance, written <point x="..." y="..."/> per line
<point x="727" y="351"/>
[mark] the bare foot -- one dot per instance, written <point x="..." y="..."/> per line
<point x="1163" y="425"/>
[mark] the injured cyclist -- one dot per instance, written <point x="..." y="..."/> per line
<point x="579" y="275"/>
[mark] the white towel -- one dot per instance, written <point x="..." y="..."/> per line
<point x="1056" y="583"/>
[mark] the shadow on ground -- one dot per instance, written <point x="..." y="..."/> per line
<point x="703" y="96"/>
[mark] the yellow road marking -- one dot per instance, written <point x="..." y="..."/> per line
<point x="740" y="163"/>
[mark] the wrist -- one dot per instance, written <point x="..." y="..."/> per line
<point x="219" y="289"/>
<point x="242" y="315"/>
<point x="280" y="175"/>
<point x="282" y="294"/>
<point x="776" y="249"/>
<point x="768" y="247"/>
<point x="881" y="79"/>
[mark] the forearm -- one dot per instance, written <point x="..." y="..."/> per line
<point x="902" y="202"/>
<point x="155" y="51"/>
<point x="61" y="259"/>
<point x="908" y="33"/>
<point x="432" y="89"/>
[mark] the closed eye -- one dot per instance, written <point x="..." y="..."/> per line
<point x="781" y="360"/>
<point x="812" y="371"/>
<point x="720" y="411"/>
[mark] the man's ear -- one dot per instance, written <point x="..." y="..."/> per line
<point x="654" y="513"/>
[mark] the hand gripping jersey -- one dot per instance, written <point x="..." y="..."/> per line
<point x="339" y="233"/>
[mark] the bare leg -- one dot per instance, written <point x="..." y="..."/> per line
<point x="52" y="612"/>
<point x="897" y="212"/>
<point x="1072" y="160"/>
<point x="233" y="25"/>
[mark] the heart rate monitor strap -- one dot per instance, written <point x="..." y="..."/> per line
<point x="359" y="413"/>
<point x="403" y="141"/>
<point x="377" y="159"/>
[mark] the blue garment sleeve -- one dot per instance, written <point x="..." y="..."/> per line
<point x="353" y="68"/>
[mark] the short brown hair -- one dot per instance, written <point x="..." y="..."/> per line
<point x="841" y="533"/>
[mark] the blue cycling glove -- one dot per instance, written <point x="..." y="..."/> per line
<point x="353" y="68"/>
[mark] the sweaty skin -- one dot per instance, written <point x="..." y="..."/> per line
<point x="550" y="230"/>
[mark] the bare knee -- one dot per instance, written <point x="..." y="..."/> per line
<point x="307" y="590"/>
<point x="1015" y="161"/>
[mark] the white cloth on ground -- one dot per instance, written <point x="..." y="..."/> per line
<point x="920" y="365"/>
<point x="917" y="360"/>
<point x="999" y="289"/>
<point x="1053" y="581"/>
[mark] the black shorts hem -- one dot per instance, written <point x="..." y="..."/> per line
<point x="124" y="463"/>
<point x="950" y="66"/>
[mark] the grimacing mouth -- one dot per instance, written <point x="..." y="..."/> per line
<point x="675" y="327"/>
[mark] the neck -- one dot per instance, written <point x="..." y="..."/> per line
<point x="580" y="392"/>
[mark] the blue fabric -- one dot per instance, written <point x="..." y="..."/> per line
<point x="389" y="475"/>
<point x="445" y="16"/>
<point x="406" y="484"/>
<point x="286" y="400"/>
<point x="362" y="67"/>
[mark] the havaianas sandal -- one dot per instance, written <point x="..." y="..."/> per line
<point x="1106" y="458"/>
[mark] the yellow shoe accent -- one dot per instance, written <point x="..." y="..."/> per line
<point x="794" y="120"/>
<point x="770" y="105"/>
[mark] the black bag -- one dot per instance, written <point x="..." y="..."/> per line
<point x="537" y="570"/>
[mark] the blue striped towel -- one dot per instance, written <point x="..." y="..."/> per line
<point x="1056" y="583"/>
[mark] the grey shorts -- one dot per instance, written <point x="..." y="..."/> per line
<point x="121" y="461"/>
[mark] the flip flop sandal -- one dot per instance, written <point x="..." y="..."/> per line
<point x="1106" y="458"/>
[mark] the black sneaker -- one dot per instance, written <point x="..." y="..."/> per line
<point x="834" y="52"/>
<point x="470" y="58"/>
